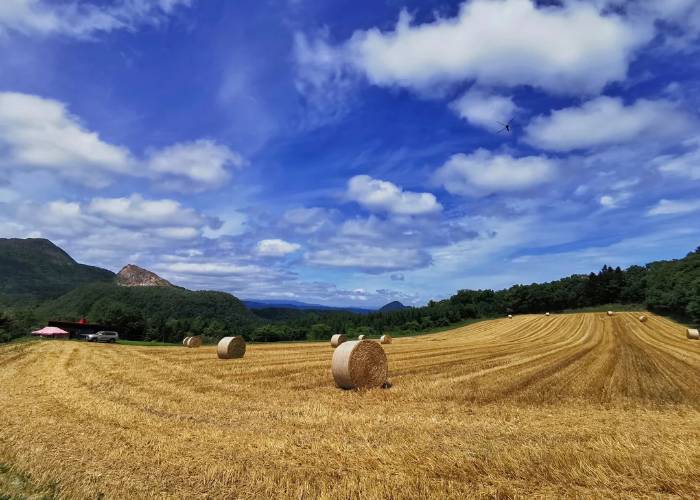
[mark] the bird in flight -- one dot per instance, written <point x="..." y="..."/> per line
<point x="506" y="127"/>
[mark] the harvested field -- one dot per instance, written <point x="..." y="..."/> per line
<point x="567" y="405"/>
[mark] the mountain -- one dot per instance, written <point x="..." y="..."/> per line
<point x="293" y="304"/>
<point x="35" y="269"/>
<point x="132" y="275"/>
<point x="393" y="306"/>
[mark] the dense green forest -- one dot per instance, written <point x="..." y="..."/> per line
<point x="169" y="313"/>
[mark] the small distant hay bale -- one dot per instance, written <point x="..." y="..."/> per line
<point x="361" y="337"/>
<point x="194" y="342"/>
<point x="359" y="364"/>
<point x="231" y="347"/>
<point x="693" y="334"/>
<point x="185" y="340"/>
<point x="385" y="339"/>
<point x="338" y="339"/>
<point x="642" y="318"/>
<point x="610" y="313"/>
<point x="546" y="314"/>
<point x="510" y="316"/>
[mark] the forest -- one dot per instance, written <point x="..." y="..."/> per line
<point x="669" y="288"/>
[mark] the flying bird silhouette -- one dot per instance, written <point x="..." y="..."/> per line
<point x="507" y="127"/>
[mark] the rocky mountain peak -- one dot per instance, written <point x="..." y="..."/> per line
<point x="132" y="275"/>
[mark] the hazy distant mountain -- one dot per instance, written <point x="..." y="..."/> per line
<point x="36" y="269"/>
<point x="293" y="304"/>
<point x="132" y="275"/>
<point x="392" y="306"/>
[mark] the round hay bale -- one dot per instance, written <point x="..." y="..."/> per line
<point x="359" y="364"/>
<point x="338" y="339"/>
<point x="610" y="313"/>
<point x="194" y="342"/>
<point x="546" y="314"/>
<point x="693" y="334"/>
<point x="510" y="316"/>
<point x="185" y="340"/>
<point x="642" y="318"/>
<point x="231" y="347"/>
<point x="361" y="337"/>
<point x="385" y="339"/>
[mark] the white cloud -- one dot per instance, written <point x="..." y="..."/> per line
<point x="378" y="195"/>
<point x="211" y="268"/>
<point x="82" y="19"/>
<point x="136" y="211"/>
<point x="307" y="220"/>
<point x="40" y="133"/>
<point x="606" y="121"/>
<point x="194" y="165"/>
<point x="674" y="207"/>
<point x="568" y="49"/>
<point x="368" y="258"/>
<point x="683" y="165"/>
<point x="483" y="172"/>
<point x="485" y="110"/>
<point x="275" y="248"/>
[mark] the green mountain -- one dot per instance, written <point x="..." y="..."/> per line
<point x="35" y="269"/>
<point x="392" y="306"/>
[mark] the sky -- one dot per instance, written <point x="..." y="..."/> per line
<point x="351" y="153"/>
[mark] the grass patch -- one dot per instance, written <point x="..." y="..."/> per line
<point x="147" y="343"/>
<point x="16" y="486"/>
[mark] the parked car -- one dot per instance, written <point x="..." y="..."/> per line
<point x="102" y="336"/>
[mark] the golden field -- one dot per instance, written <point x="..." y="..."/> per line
<point x="579" y="405"/>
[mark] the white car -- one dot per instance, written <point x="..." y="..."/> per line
<point x="102" y="336"/>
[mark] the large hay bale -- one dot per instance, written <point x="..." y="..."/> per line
<point x="231" y="347"/>
<point x="338" y="339"/>
<point x="642" y="318"/>
<point x="359" y="364"/>
<point x="194" y="342"/>
<point x="693" y="334"/>
<point x="385" y="339"/>
<point x="510" y="316"/>
<point x="185" y="340"/>
<point x="610" y="313"/>
<point x="546" y="314"/>
<point x="361" y="337"/>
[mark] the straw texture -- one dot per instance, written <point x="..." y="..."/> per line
<point x="693" y="334"/>
<point x="231" y="347"/>
<point x="194" y="342"/>
<point x="359" y="364"/>
<point x="642" y="318"/>
<point x="385" y="339"/>
<point x="338" y="339"/>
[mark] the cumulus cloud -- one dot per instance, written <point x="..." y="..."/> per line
<point x="483" y="172"/>
<point x="572" y="48"/>
<point x="384" y="196"/>
<point x="40" y="133"/>
<point x="135" y="211"/>
<point x="194" y="165"/>
<point x="485" y="110"/>
<point x="674" y="207"/>
<point x="275" y="248"/>
<point x="606" y="121"/>
<point x="81" y="19"/>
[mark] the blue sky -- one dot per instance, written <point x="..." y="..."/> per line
<point x="348" y="153"/>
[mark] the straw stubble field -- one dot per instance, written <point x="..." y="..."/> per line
<point x="581" y="404"/>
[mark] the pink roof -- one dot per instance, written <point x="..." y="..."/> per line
<point x="49" y="331"/>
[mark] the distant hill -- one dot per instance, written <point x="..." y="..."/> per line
<point x="292" y="304"/>
<point x="35" y="269"/>
<point x="132" y="275"/>
<point x="393" y="306"/>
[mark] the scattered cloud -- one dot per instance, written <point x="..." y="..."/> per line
<point x="480" y="108"/>
<point x="674" y="207"/>
<point x="135" y="211"/>
<point x="605" y="121"/>
<point x="81" y="19"/>
<point x="483" y="172"/>
<point x="275" y="248"/>
<point x="683" y="165"/>
<point x="572" y="48"/>
<point x="368" y="258"/>
<point x="384" y="196"/>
